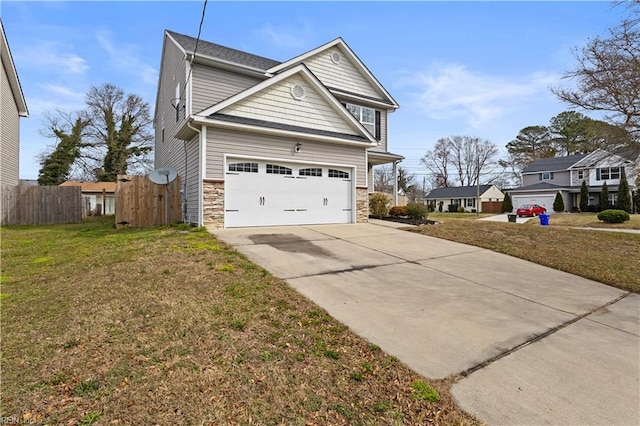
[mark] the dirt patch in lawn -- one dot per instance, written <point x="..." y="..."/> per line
<point x="164" y="326"/>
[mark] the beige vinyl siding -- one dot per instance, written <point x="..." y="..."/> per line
<point x="9" y="134"/>
<point x="169" y="151"/>
<point x="492" y="194"/>
<point x="343" y="75"/>
<point x="275" y="103"/>
<point x="212" y="85"/>
<point x="223" y="141"/>
<point x="383" y="132"/>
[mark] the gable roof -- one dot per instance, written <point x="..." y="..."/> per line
<point x="340" y="43"/>
<point x="217" y="111"/>
<point x="599" y="155"/>
<point x="553" y="164"/>
<point x="221" y="53"/>
<point x="457" y="192"/>
<point x="12" y="74"/>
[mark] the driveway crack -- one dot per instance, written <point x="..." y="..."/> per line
<point x="547" y="333"/>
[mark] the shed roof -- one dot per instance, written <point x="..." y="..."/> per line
<point x="91" y="186"/>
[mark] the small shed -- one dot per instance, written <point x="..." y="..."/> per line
<point x="98" y="198"/>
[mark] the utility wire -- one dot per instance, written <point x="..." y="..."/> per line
<point x="186" y="84"/>
<point x="195" y="49"/>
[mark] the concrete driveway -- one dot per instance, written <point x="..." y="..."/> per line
<point x="531" y="345"/>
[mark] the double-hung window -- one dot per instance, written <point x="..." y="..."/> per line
<point x="368" y="117"/>
<point x="606" y="173"/>
<point x="545" y="176"/>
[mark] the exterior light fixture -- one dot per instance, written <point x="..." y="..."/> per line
<point x="298" y="147"/>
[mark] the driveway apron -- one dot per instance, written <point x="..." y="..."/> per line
<point x="528" y="344"/>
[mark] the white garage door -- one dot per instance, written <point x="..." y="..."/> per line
<point x="544" y="200"/>
<point x="267" y="193"/>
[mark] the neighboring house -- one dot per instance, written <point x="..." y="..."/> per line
<point x="98" y="198"/>
<point x="545" y="178"/>
<point x="466" y="196"/>
<point x="260" y="142"/>
<point x="12" y="107"/>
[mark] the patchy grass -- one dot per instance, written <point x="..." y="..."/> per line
<point x="590" y="220"/>
<point x="608" y="257"/>
<point x="169" y="326"/>
<point x="446" y="216"/>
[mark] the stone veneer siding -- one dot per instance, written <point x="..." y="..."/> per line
<point x="213" y="201"/>
<point x="362" y="205"/>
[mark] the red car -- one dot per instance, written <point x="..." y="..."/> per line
<point x="530" y="210"/>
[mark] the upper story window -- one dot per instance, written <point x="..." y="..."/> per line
<point x="244" y="167"/>
<point x="580" y="174"/>
<point x="545" y="176"/>
<point x="606" y="173"/>
<point x="368" y="117"/>
<point x="278" y="170"/>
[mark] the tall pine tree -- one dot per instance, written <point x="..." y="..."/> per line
<point x="604" y="197"/>
<point x="624" y="195"/>
<point x="584" y="197"/>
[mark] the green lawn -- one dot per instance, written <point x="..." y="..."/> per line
<point x="168" y="326"/>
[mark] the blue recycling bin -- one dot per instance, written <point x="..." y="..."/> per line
<point x="544" y="219"/>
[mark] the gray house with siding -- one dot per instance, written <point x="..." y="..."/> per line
<point x="12" y="107"/>
<point x="260" y="142"/>
<point x="546" y="177"/>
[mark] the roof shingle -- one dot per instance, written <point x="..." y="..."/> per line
<point x="553" y="164"/>
<point x="206" y="48"/>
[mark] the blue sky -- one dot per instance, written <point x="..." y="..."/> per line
<point x="457" y="68"/>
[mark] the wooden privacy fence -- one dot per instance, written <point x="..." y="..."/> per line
<point x="142" y="203"/>
<point x="40" y="205"/>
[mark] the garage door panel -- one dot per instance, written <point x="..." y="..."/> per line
<point x="544" y="200"/>
<point x="287" y="194"/>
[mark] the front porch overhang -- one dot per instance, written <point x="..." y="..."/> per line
<point x="376" y="158"/>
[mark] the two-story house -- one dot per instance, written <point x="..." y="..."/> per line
<point x="545" y="178"/>
<point x="260" y="142"/>
<point x="12" y="107"/>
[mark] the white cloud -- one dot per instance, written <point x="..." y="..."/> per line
<point x="51" y="55"/>
<point x="285" y="37"/>
<point x="448" y="91"/>
<point x="126" y="58"/>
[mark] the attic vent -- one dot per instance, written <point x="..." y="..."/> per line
<point x="336" y="58"/>
<point x="297" y="92"/>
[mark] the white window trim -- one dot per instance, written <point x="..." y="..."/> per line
<point x="360" y="116"/>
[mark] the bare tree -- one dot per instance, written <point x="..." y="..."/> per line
<point x="466" y="155"/>
<point x="607" y="76"/>
<point x="115" y="136"/>
<point x="437" y="161"/>
<point x="121" y="125"/>
<point x="383" y="178"/>
<point x="470" y="155"/>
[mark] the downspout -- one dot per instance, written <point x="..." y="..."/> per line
<point x="184" y="184"/>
